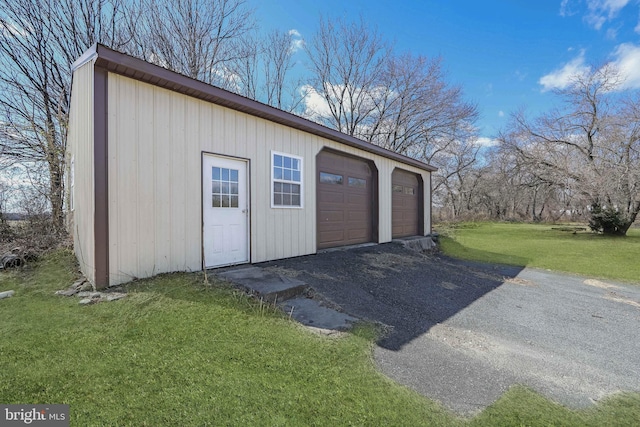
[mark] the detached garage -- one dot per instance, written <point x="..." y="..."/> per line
<point x="167" y="173"/>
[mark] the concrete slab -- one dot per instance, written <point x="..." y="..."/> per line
<point x="309" y="312"/>
<point x="416" y="243"/>
<point x="269" y="286"/>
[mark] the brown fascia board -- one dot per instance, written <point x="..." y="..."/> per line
<point x="120" y="63"/>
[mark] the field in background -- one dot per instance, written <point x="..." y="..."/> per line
<point x="565" y="248"/>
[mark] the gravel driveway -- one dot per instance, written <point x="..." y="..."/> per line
<point x="462" y="333"/>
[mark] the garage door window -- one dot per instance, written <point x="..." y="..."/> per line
<point x="330" y="178"/>
<point x="357" y="182"/>
<point x="286" y="181"/>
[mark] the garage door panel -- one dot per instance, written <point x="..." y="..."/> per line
<point x="344" y="185"/>
<point x="357" y="217"/>
<point x="406" y="202"/>
<point x="358" y="234"/>
<point x="331" y="196"/>
<point x="331" y="237"/>
<point x="332" y="216"/>
<point x="357" y="200"/>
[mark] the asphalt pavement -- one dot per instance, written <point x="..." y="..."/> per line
<point x="462" y="333"/>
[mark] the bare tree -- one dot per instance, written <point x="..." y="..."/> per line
<point x="419" y="108"/>
<point x="347" y="62"/>
<point x="588" y="144"/>
<point x="402" y="103"/>
<point x="38" y="42"/>
<point x="278" y="50"/>
<point x="197" y="38"/>
<point x="262" y="70"/>
<point x="242" y="75"/>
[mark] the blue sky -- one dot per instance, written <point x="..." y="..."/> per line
<point x="505" y="54"/>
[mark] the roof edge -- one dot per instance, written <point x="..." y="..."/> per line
<point x="87" y="56"/>
<point x="138" y="69"/>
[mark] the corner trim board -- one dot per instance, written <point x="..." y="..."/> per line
<point x="101" y="177"/>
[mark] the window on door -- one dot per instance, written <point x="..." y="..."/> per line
<point x="224" y="187"/>
<point x="286" y="181"/>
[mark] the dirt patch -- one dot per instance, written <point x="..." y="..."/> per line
<point x="599" y="284"/>
<point x="519" y="281"/>
<point x="323" y="276"/>
<point x="613" y="296"/>
<point x="461" y="339"/>
<point x="390" y="261"/>
<point x="448" y="285"/>
<point x="374" y="272"/>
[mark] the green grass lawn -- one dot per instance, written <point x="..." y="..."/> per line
<point x="546" y="246"/>
<point x="179" y="352"/>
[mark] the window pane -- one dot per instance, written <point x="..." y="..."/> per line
<point x="215" y="173"/>
<point x="234" y="175"/>
<point x="397" y="188"/>
<point x="215" y="187"/>
<point x="277" y="173"/>
<point x="287" y="169"/>
<point x="225" y="174"/>
<point x="225" y="201"/>
<point x="225" y="188"/>
<point x="409" y="190"/>
<point x="357" y="182"/>
<point x="234" y="188"/>
<point x="217" y="201"/>
<point x="234" y="201"/>
<point x="330" y="178"/>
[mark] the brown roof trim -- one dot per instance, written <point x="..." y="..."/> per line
<point x="120" y="63"/>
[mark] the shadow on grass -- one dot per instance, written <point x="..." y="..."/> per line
<point x="404" y="290"/>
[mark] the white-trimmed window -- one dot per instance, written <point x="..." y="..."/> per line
<point x="286" y="181"/>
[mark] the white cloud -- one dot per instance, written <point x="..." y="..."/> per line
<point x="637" y="28"/>
<point x="521" y="75"/>
<point x="562" y="77"/>
<point x="297" y="42"/>
<point x="565" y="10"/>
<point x="601" y="11"/>
<point x="611" y="34"/>
<point x="486" y="142"/>
<point x="316" y="106"/>
<point x="627" y="61"/>
<point x="500" y="113"/>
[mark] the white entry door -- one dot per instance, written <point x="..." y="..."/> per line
<point x="225" y="211"/>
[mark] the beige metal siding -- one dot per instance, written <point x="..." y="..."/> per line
<point x="156" y="140"/>
<point x="80" y="149"/>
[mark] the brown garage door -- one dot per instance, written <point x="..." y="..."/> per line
<point x="406" y="202"/>
<point x="345" y="200"/>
